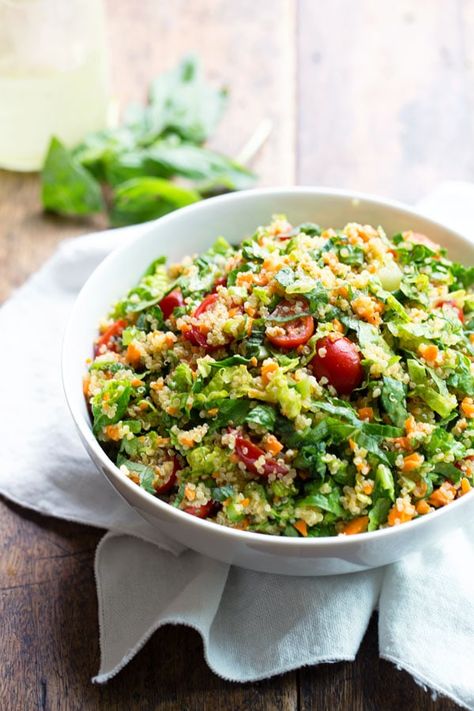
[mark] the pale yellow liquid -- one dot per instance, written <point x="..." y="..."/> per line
<point x="47" y="102"/>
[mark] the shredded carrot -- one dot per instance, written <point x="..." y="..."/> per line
<point x="133" y="355"/>
<point x="465" y="485"/>
<point x="301" y="527"/>
<point x="136" y="382"/>
<point x="343" y="291"/>
<point x="249" y="310"/>
<point x="243" y="525"/>
<point x="442" y="496"/>
<point x="429" y="352"/>
<point x="272" y="444"/>
<point x="410" y="425"/>
<point x="357" y="525"/>
<point x="86" y="381"/>
<point x="337" y="325"/>
<point x="244" y="278"/>
<point x="368" y="488"/>
<point x="268" y="368"/>
<point x="412" y="461"/>
<point x="233" y="311"/>
<point x="420" y="489"/>
<point x="186" y="441"/>
<point x="352" y="444"/>
<point x="395" y="516"/>
<point x="467" y="407"/>
<point x="189" y="493"/>
<point x="366" y="413"/>
<point x="249" y="326"/>
<point x="422" y="507"/>
<point x="402" y="443"/>
<point x="143" y="405"/>
<point x="234" y="458"/>
<point x="113" y="432"/>
<point x="213" y="411"/>
<point x="245" y="502"/>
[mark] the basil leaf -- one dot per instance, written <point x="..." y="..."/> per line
<point x="231" y="360"/>
<point x="146" y="474"/>
<point x="146" y="198"/>
<point x="230" y="411"/>
<point x="393" y="399"/>
<point x="263" y="415"/>
<point x="378" y="514"/>
<point x="66" y="187"/>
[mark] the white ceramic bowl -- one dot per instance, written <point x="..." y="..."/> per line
<point x="191" y="230"/>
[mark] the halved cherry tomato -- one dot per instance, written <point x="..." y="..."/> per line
<point x="202" y="511"/>
<point x="454" y="306"/>
<point x="419" y="238"/>
<point x="207" y="303"/>
<point x="195" y="335"/>
<point x="222" y="281"/>
<point x="170" y="302"/>
<point x="168" y="485"/>
<point x="469" y="458"/>
<point x="340" y="364"/>
<point x="249" y="453"/>
<point x="297" y="331"/>
<point x="107" y="338"/>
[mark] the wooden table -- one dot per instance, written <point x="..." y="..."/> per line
<point x="371" y="95"/>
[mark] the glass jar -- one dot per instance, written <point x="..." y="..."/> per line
<point x="53" y="76"/>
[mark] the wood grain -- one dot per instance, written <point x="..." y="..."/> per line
<point x="386" y="92"/>
<point x="384" y="97"/>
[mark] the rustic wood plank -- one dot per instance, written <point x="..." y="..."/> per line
<point x="367" y="684"/>
<point x="385" y="93"/>
<point x="49" y="645"/>
<point x="48" y="603"/>
<point x="255" y="59"/>
<point x="246" y="46"/>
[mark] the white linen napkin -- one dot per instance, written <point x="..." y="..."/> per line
<point x="253" y="625"/>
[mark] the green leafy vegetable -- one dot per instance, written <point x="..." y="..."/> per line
<point x="140" y="160"/>
<point x="142" y="199"/>
<point x="378" y="514"/>
<point x="67" y="187"/>
<point x="146" y="474"/>
<point x="393" y="399"/>
<point x="263" y="415"/>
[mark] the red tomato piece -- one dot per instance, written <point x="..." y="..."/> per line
<point x="340" y="364"/>
<point x="249" y="453"/>
<point x="201" y="511"/>
<point x="170" y="302"/>
<point x="206" y="304"/>
<point x="298" y="331"/>
<point x="222" y="281"/>
<point x="469" y="458"/>
<point x="453" y="304"/>
<point x="195" y="335"/>
<point x="107" y="338"/>
<point x="419" y="238"/>
<point x="168" y="485"/>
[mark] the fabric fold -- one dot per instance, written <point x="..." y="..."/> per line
<point x="253" y="625"/>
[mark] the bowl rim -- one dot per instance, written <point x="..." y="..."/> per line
<point x="237" y="535"/>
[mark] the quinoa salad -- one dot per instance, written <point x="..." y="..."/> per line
<point x="306" y="382"/>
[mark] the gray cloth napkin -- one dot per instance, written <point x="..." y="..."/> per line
<point x="253" y="625"/>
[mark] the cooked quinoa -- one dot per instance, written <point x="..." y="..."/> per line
<point x="307" y="382"/>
